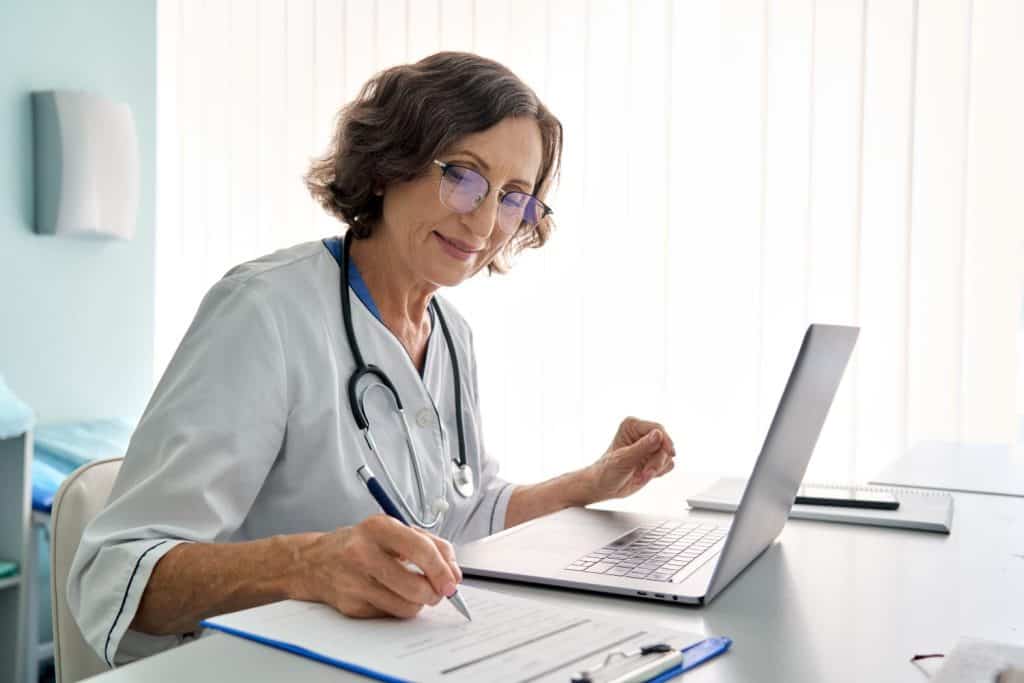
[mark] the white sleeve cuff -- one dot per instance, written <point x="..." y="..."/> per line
<point x="116" y="582"/>
<point x="500" y="507"/>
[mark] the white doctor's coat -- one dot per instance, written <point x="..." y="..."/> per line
<point x="249" y="434"/>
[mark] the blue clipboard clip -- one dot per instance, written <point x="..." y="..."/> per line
<point x="695" y="655"/>
<point x="656" y="669"/>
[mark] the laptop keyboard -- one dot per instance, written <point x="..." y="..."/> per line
<point x="656" y="552"/>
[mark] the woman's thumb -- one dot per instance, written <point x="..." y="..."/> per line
<point x="642" y="448"/>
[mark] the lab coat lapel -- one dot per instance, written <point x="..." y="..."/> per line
<point x="381" y="348"/>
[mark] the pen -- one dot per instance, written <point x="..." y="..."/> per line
<point x="379" y="495"/>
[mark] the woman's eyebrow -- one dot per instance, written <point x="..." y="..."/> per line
<point x="485" y="167"/>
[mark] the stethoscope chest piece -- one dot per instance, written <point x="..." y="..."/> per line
<point x="462" y="478"/>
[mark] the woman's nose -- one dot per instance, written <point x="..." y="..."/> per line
<point x="483" y="220"/>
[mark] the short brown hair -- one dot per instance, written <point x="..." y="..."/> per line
<point x="406" y="116"/>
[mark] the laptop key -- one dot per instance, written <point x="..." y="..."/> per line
<point x="626" y="539"/>
<point x="600" y="567"/>
<point x="617" y="571"/>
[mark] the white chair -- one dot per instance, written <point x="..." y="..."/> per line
<point x="80" y="498"/>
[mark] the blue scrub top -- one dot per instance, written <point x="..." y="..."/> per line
<point x="355" y="280"/>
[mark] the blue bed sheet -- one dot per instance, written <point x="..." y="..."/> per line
<point x="61" y="448"/>
<point x="15" y="417"/>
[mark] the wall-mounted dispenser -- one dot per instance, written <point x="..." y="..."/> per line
<point x="86" y="165"/>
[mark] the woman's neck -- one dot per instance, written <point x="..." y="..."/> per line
<point x="400" y="297"/>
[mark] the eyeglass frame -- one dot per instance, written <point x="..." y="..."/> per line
<point x="444" y="166"/>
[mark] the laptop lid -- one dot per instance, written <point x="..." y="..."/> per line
<point x="788" y="445"/>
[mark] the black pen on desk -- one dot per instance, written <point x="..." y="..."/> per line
<point x="381" y="496"/>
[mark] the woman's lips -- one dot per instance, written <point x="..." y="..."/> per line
<point x="456" y="248"/>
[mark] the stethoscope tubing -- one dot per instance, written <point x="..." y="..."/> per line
<point x="462" y="474"/>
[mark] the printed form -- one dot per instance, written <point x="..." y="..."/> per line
<point x="509" y="640"/>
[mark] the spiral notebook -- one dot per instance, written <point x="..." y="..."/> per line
<point x="922" y="510"/>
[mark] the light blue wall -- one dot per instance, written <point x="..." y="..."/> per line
<point x="76" y="315"/>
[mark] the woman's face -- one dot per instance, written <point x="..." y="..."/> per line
<point x="440" y="246"/>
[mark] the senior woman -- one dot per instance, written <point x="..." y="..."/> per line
<point x="240" y="485"/>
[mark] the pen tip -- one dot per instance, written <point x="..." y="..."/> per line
<point x="460" y="605"/>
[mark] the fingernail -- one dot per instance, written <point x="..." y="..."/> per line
<point x="653" y="436"/>
<point x="449" y="590"/>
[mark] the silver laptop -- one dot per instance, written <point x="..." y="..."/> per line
<point x="678" y="559"/>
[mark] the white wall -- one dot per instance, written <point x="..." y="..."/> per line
<point x="733" y="170"/>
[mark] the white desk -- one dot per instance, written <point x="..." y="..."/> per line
<point x="829" y="602"/>
<point x="970" y="467"/>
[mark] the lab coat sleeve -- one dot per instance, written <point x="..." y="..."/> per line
<point x="488" y="514"/>
<point x="200" y="454"/>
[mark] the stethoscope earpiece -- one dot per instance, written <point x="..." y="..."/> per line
<point x="440" y="506"/>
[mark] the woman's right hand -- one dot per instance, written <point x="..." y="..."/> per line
<point x="361" y="571"/>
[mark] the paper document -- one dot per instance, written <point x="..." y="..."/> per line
<point x="509" y="639"/>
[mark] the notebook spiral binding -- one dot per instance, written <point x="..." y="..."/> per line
<point x="898" y="490"/>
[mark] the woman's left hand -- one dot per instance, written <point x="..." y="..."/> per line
<point x="640" y="451"/>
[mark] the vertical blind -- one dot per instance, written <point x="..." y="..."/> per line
<point x="733" y="170"/>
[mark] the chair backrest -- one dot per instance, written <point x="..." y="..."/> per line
<point x="80" y="498"/>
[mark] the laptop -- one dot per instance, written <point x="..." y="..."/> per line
<point x="679" y="559"/>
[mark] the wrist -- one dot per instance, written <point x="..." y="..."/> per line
<point x="299" y="569"/>
<point x="583" y="487"/>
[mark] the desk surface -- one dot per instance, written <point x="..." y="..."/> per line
<point x="951" y="466"/>
<point x="831" y="602"/>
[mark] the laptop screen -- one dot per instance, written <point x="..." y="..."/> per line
<point x="787" y="448"/>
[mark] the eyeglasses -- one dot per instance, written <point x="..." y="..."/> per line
<point x="463" y="190"/>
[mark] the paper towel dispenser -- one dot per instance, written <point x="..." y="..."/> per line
<point x="86" y="165"/>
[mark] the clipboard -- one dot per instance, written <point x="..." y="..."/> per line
<point x="655" y="668"/>
<point x="697" y="654"/>
<point x="510" y="639"/>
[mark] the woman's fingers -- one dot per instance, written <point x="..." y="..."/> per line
<point x="662" y="463"/>
<point x="404" y="580"/>
<point x="636" y="428"/>
<point x="389" y="602"/>
<point x="380" y="566"/>
<point x="448" y="553"/>
<point x="656" y="465"/>
<point x="409" y="544"/>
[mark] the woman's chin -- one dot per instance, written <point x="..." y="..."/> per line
<point x="452" y="273"/>
<point x="450" y="279"/>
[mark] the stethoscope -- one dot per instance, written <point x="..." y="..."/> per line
<point x="462" y="475"/>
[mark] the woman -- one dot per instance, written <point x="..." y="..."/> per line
<point x="240" y="485"/>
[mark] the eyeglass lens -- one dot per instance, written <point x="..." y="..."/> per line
<point x="463" y="190"/>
